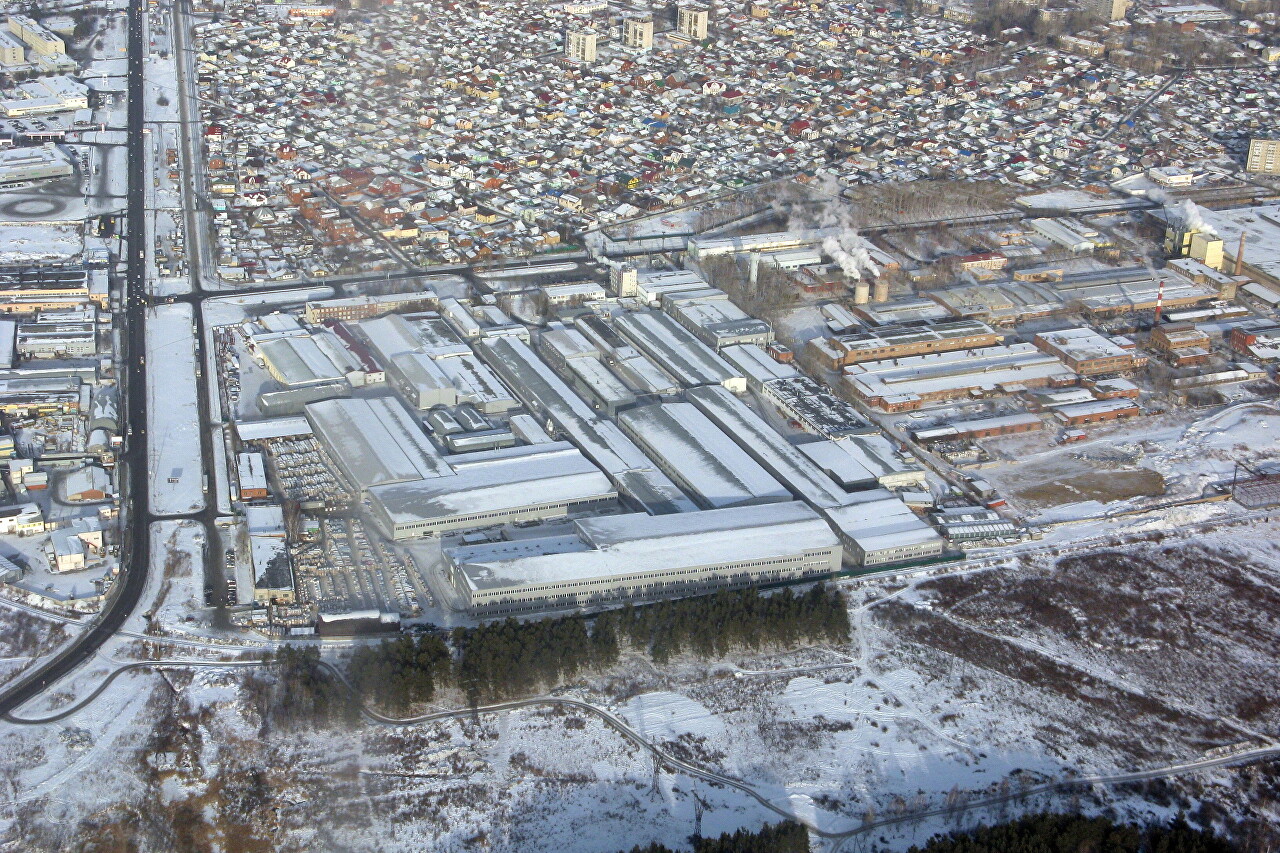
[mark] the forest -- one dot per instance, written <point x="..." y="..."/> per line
<point x="508" y="659"/>
<point x="785" y="837"/>
<point x="1055" y="833"/>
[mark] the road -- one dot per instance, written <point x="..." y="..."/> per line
<point x="135" y="551"/>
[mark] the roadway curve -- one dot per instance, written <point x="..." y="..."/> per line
<point x="840" y="837"/>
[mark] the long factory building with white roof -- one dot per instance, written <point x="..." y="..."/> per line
<point x="638" y="557"/>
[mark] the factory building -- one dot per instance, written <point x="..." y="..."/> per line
<point x="902" y="341"/>
<point x="880" y="529"/>
<point x="365" y="307"/>
<point x="48" y="339"/>
<point x="864" y="462"/>
<point x="374" y="441"/>
<point x="699" y="457"/>
<point x="714" y="320"/>
<point x="979" y="428"/>
<point x="813" y="407"/>
<point x="763" y="444"/>
<point x="489" y="488"/>
<point x="1096" y="411"/>
<point x="905" y="384"/>
<point x="555" y="404"/>
<point x="1086" y="351"/>
<point x="707" y="247"/>
<point x="681" y="354"/>
<point x="295" y="360"/>
<point x="638" y="557"/>
<point x="757" y="366"/>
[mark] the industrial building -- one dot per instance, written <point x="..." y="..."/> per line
<point x="699" y="457"/>
<point x="374" y="441"/>
<point x="681" y="354"/>
<point x="864" y="462"/>
<point x="1096" y="411"/>
<point x="20" y="166"/>
<point x="1087" y="352"/>
<point x="880" y="529"/>
<point x="901" y="341"/>
<point x="552" y="401"/>
<point x="364" y="307"/>
<point x="638" y="557"/>
<point x="714" y="320"/>
<point x="55" y="339"/>
<point x="905" y="384"/>
<point x="489" y="488"/>
<point x="269" y="552"/>
<point x="295" y="360"/>
<point x="707" y="247"/>
<point x="251" y="472"/>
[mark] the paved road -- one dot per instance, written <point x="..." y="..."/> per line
<point x="136" y="547"/>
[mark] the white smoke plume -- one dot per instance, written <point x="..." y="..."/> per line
<point x="1193" y="221"/>
<point x="850" y="251"/>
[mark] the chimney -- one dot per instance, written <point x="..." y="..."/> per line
<point x="1240" y="254"/>
<point x="1159" y="302"/>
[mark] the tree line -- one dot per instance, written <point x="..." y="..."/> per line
<point x="508" y="659"/>
<point x="785" y="837"/>
<point x="1055" y="833"/>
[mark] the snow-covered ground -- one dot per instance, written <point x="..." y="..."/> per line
<point x="177" y="471"/>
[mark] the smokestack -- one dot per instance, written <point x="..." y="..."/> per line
<point x="861" y="292"/>
<point x="882" y="290"/>
<point x="755" y="268"/>
<point x="1159" y="301"/>
<point x="1240" y="255"/>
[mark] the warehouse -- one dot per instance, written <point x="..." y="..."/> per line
<point x="375" y="441"/>
<point x="477" y="384"/>
<point x="252" y="473"/>
<point x="881" y="529"/>
<point x="272" y="570"/>
<point x="680" y="353"/>
<point x="1097" y="411"/>
<point x="549" y="398"/>
<point x="295" y="361"/>
<point x="905" y="383"/>
<point x="420" y="381"/>
<point x="636" y="557"/>
<point x="527" y="483"/>
<point x="813" y="407"/>
<point x="20" y="166"/>
<point x="699" y="457"/>
<point x="978" y="428"/>
<point x="652" y="286"/>
<point x="707" y="247"/>
<point x="605" y="391"/>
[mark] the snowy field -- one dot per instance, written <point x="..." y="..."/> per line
<point x="172" y="412"/>
<point x="25" y="243"/>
